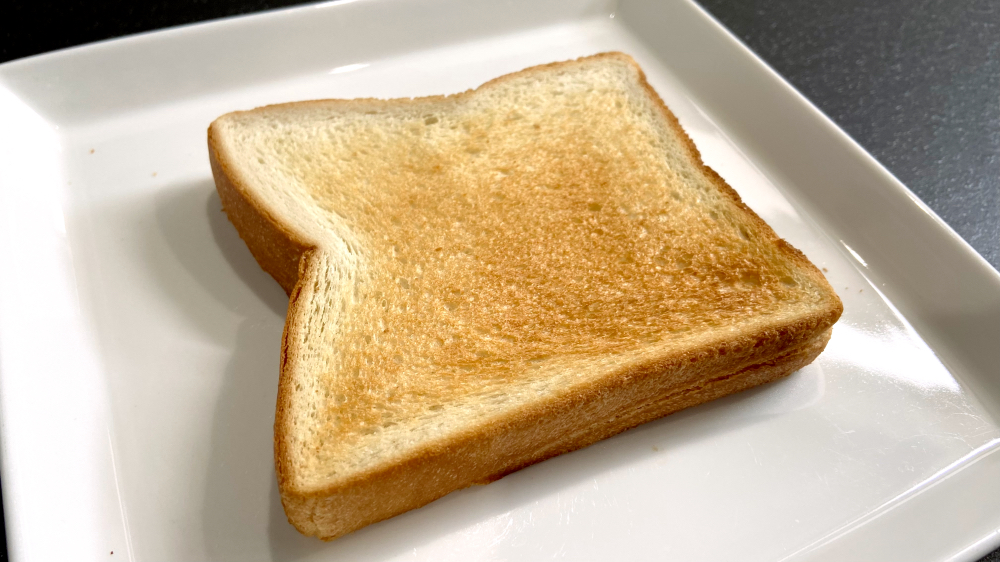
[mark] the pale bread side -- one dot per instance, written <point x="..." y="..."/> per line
<point x="341" y="466"/>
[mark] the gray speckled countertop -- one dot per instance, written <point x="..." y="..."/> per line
<point x="916" y="82"/>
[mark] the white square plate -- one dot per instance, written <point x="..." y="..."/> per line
<point x="139" y="340"/>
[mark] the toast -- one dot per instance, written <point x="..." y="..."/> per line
<point x="481" y="281"/>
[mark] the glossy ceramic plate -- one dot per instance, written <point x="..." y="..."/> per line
<point x="139" y="341"/>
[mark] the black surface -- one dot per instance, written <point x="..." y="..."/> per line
<point x="37" y="27"/>
<point x="916" y="82"/>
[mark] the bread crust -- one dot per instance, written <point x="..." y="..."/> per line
<point x="277" y="249"/>
<point x="487" y="453"/>
<point x="544" y="430"/>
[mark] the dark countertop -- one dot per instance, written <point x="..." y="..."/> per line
<point x="915" y="82"/>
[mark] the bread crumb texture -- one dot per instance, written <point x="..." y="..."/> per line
<point x="489" y="248"/>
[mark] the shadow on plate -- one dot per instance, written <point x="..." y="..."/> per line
<point x="239" y="484"/>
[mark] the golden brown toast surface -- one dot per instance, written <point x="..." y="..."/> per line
<point x="473" y="258"/>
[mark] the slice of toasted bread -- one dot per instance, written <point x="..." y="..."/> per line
<point x="481" y="281"/>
